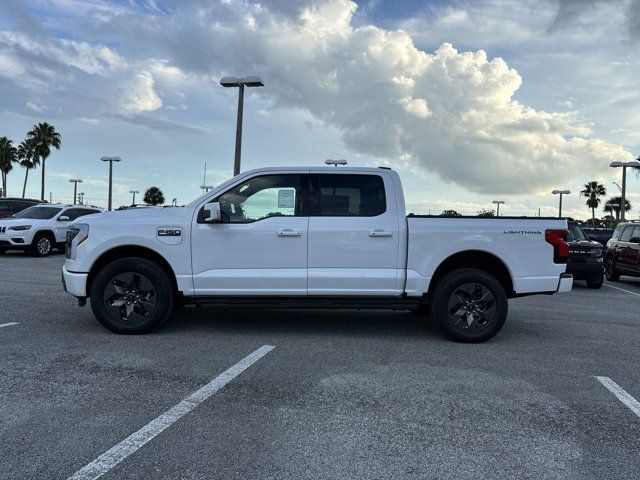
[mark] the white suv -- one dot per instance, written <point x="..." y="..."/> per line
<point x="40" y="228"/>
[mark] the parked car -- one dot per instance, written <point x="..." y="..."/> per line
<point x="600" y="235"/>
<point x="10" y="206"/>
<point x="40" y="228"/>
<point x="585" y="257"/>
<point x="623" y="252"/>
<point x="312" y="238"/>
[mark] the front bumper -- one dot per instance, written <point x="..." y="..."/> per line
<point x="74" y="283"/>
<point x="15" y="240"/>
<point x="566" y="283"/>
<point x="586" y="270"/>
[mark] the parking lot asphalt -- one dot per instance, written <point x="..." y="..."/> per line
<point x="349" y="394"/>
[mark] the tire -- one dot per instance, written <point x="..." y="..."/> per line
<point x="42" y="245"/>
<point x="132" y="296"/>
<point x="463" y="291"/>
<point x="610" y="269"/>
<point x="595" y="284"/>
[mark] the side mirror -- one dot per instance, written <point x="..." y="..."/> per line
<point x="212" y="213"/>
<point x="592" y="238"/>
<point x="63" y="218"/>
<point x="634" y="240"/>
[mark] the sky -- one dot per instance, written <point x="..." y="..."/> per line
<point x="471" y="101"/>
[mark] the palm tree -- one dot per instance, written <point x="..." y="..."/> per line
<point x="593" y="191"/>
<point x="8" y="155"/>
<point x="153" y="196"/>
<point x="44" y="137"/>
<point x="613" y="206"/>
<point x="28" y="159"/>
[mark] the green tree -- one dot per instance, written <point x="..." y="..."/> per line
<point x="487" y="212"/>
<point x="28" y="159"/>
<point x="153" y="196"/>
<point x="44" y="137"/>
<point x="593" y="191"/>
<point x="613" y="205"/>
<point x="450" y="213"/>
<point x="8" y="156"/>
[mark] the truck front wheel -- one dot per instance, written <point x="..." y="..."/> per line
<point x="132" y="296"/>
<point x="470" y="305"/>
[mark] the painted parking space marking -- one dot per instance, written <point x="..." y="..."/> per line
<point x="133" y="442"/>
<point x="622" y="289"/>
<point x="621" y="395"/>
<point x="10" y="324"/>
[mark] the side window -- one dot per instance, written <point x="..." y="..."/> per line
<point x="74" y="213"/>
<point x="262" y="197"/>
<point x="85" y="211"/>
<point x="626" y="234"/>
<point x="636" y="232"/>
<point x="341" y="195"/>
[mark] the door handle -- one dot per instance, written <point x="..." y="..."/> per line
<point x="378" y="232"/>
<point x="289" y="232"/>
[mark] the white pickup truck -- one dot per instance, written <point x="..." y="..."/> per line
<point x="311" y="238"/>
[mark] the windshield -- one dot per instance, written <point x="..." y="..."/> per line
<point x="576" y="234"/>
<point x="38" y="213"/>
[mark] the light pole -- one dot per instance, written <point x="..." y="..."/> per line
<point x="206" y="188"/>
<point x="498" y="203"/>
<point x="335" y="163"/>
<point x="75" y="182"/>
<point x="240" y="82"/>
<point x="110" y="160"/>
<point x="561" y="193"/>
<point x="624" y="165"/>
<point x="617" y="185"/>
<point x="81" y="202"/>
<point x="133" y="200"/>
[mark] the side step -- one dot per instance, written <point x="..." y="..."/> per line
<point x="323" y="303"/>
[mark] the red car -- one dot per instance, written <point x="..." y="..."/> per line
<point x="10" y="206"/>
<point x="623" y="254"/>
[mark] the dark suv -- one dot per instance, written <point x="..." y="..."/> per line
<point x="623" y="255"/>
<point x="585" y="257"/>
<point x="11" y="206"/>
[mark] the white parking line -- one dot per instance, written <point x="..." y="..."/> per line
<point x="618" y="288"/>
<point x="133" y="442"/>
<point x="619" y="392"/>
<point x="2" y="325"/>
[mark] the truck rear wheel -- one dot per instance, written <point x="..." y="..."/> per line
<point x="470" y="305"/>
<point x="132" y="296"/>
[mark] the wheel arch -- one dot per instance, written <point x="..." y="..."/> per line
<point x="127" y="251"/>
<point x="479" y="259"/>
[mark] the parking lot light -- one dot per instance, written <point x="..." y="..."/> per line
<point x="561" y="193"/>
<point x="498" y="203"/>
<point x="133" y="200"/>
<point x="240" y="82"/>
<point x="75" y="182"/>
<point x="624" y="165"/>
<point x="110" y="160"/>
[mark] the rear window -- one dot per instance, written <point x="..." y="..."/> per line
<point x="347" y="195"/>
<point x="575" y="234"/>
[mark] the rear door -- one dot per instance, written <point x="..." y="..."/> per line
<point x="353" y="235"/>
<point x="624" y="252"/>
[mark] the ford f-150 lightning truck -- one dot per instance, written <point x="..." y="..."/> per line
<point x="311" y="238"/>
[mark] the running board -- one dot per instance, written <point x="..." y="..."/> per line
<point x="324" y="303"/>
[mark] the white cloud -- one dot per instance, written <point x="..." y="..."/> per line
<point x="448" y="112"/>
<point x="138" y="95"/>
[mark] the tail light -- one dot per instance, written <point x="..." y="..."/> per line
<point x="557" y="238"/>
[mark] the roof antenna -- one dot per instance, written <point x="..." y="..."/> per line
<point x="335" y="163"/>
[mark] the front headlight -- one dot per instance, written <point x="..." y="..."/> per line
<point x="76" y="234"/>
<point x="20" y="227"/>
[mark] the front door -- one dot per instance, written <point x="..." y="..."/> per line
<point x="260" y="248"/>
<point x="353" y="235"/>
